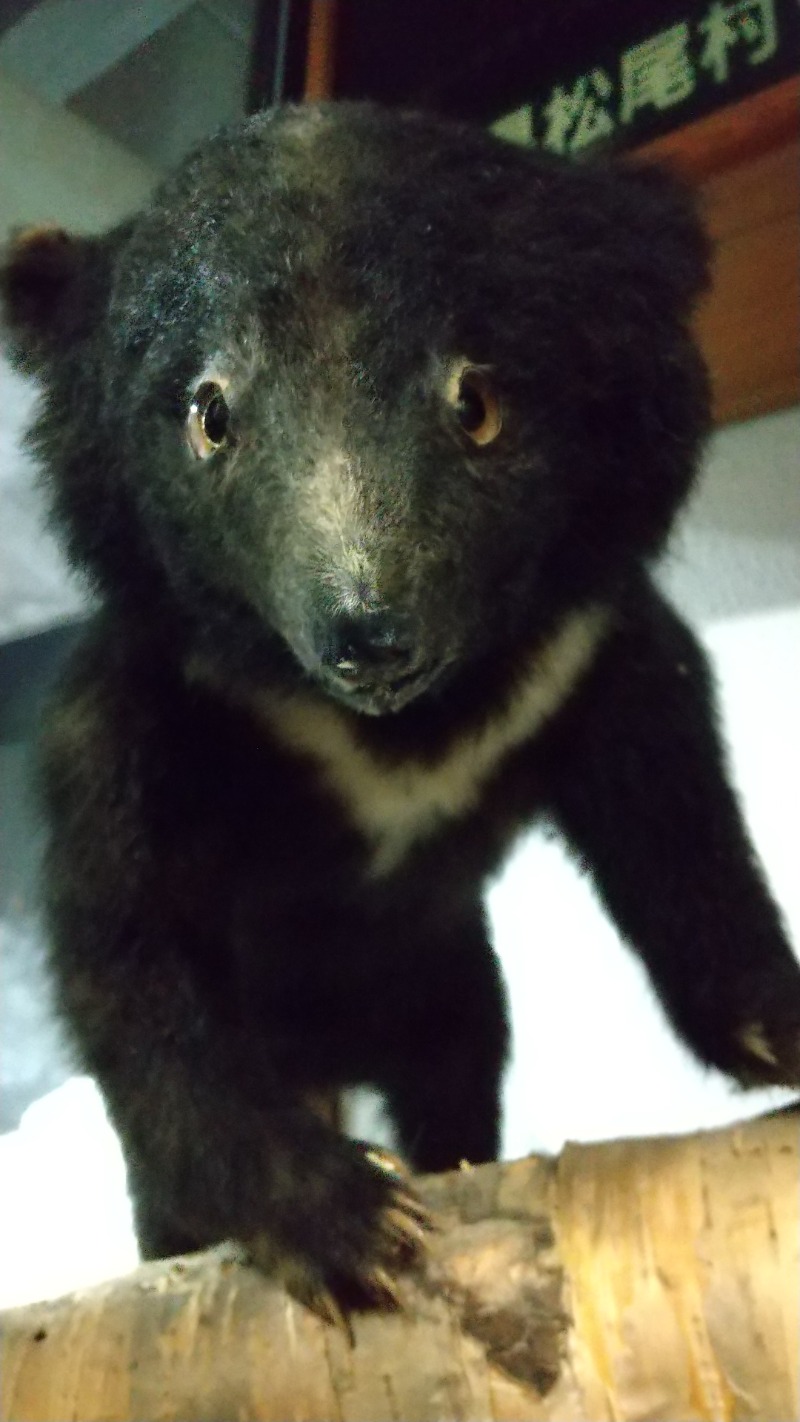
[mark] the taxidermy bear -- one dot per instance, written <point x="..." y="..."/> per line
<point x="366" y="431"/>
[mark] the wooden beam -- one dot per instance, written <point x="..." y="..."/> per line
<point x="321" y="54"/>
<point x="749" y="326"/>
<point x="745" y="160"/>
<point x="732" y="135"/>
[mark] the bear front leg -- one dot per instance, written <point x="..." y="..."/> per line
<point x="636" y="780"/>
<point x="443" y="1073"/>
<point x="218" y="1148"/>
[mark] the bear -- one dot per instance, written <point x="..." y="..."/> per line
<point x="367" y="432"/>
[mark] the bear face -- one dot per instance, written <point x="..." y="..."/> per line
<point x="332" y="323"/>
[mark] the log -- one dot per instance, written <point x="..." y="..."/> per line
<point x="647" y="1279"/>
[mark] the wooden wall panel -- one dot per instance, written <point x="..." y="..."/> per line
<point x="746" y="162"/>
<point x="749" y="325"/>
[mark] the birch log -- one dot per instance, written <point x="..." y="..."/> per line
<point x="653" y="1279"/>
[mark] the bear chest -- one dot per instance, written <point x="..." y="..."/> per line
<point x="394" y="804"/>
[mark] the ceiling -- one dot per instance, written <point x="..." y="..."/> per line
<point x="156" y="76"/>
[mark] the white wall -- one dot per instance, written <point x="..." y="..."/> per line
<point x="737" y="550"/>
<point x="55" y="167"/>
<point x="37" y="588"/>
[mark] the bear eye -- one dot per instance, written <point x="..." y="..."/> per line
<point x="476" y="403"/>
<point x="208" y="422"/>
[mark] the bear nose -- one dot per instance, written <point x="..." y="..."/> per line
<point x="366" y="646"/>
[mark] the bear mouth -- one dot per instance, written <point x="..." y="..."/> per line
<point x="381" y="697"/>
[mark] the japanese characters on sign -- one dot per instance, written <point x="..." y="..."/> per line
<point x="658" y="75"/>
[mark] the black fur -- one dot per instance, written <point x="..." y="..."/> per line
<point x="227" y="935"/>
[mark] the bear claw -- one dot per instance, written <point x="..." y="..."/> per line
<point x="754" y="1041"/>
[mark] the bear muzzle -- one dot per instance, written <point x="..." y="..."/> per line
<point x="370" y="659"/>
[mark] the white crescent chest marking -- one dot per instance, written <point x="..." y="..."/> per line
<point x="395" y="805"/>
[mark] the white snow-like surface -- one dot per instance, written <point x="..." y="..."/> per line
<point x="65" y="1219"/>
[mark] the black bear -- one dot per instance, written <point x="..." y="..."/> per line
<point x="367" y="431"/>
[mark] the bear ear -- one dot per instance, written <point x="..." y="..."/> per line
<point x="663" y="216"/>
<point x="49" y="282"/>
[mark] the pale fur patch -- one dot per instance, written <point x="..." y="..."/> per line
<point x="335" y="502"/>
<point x="395" y="806"/>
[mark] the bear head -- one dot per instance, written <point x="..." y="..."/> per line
<point x="363" y="396"/>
